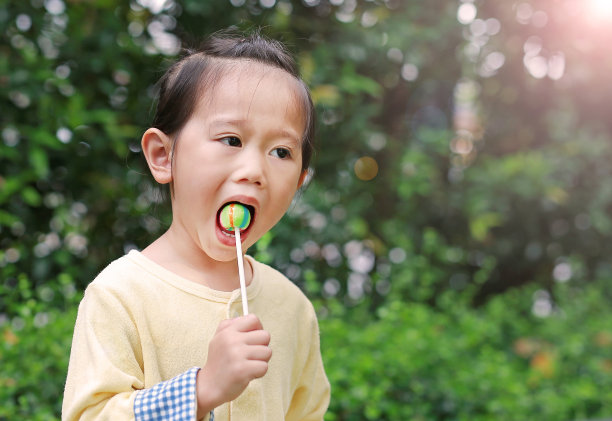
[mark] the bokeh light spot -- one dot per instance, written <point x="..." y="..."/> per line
<point x="64" y="134"/>
<point x="23" y="22"/>
<point x="55" y="7"/>
<point x="366" y="168"/>
<point x="537" y="66"/>
<point x="540" y="19"/>
<point x="556" y="66"/>
<point x="395" y="54"/>
<point x="524" y="12"/>
<point x="410" y="72"/>
<point x="466" y="13"/>
<point x="562" y="272"/>
<point x="493" y="26"/>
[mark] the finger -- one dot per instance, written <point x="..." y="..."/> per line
<point x="239" y="324"/>
<point x="256" y="369"/>
<point x="247" y="323"/>
<point x="224" y="324"/>
<point x="257" y="337"/>
<point x="259" y="353"/>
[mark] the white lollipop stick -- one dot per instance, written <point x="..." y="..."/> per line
<point x="245" y="305"/>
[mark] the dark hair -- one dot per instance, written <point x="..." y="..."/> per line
<point x="183" y="83"/>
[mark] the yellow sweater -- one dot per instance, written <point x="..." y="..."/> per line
<point x="140" y="324"/>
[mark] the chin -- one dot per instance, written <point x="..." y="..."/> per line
<point x="223" y="256"/>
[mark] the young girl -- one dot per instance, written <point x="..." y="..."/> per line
<point x="158" y="335"/>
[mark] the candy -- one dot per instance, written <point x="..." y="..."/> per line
<point x="235" y="215"/>
<point x="232" y="216"/>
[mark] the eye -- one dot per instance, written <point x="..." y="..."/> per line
<point x="282" y="153"/>
<point x="231" y="141"/>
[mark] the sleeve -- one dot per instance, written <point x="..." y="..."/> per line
<point x="311" y="397"/>
<point x="172" y="400"/>
<point x="105" y="373"/>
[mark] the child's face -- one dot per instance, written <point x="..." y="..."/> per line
<point x="243" y="144"/>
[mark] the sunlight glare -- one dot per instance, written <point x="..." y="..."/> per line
<point x="601" y="9"/>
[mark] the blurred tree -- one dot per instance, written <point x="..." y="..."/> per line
<point x="78" y="85"/>
<point x="464" y="150"/>
<point x="462" y="145"/>
<point x="540" y="173"/>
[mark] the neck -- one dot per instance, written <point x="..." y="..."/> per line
<point x="186" y="259"/>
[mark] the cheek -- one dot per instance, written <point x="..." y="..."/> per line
<point x="193" y="192"/>
<point x="285" y="195"/>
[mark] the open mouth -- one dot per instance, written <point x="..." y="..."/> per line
<point x="228" y="232"/>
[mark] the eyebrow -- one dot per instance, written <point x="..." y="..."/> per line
<point x="241" y="123"/>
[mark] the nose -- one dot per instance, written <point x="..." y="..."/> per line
<point x="250" y="167"/>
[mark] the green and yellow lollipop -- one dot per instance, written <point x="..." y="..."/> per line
<point x="236" y="217"/>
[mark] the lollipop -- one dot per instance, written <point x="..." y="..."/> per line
<point x="232" y="216"/>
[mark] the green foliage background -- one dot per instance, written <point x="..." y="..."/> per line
<point x="469" y="279"/>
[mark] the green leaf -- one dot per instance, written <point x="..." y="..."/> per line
<point x="482" y="224"/>
<point x="354" y="83"/>
<point x="7" y="218"/>
<point x="31" y="196"/>
<point x="39" y="162"/>
<point x="9" y="186"/>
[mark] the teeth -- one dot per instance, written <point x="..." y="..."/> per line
<point x="228" y="234"/>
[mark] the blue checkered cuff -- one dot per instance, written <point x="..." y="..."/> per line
<point x="172" y="400"/>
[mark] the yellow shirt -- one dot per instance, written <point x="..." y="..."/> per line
<point x="140" y="324"/>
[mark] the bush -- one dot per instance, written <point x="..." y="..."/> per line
<point x="413" y="362"/>
<point x="497" y="362"/>
<point x="35" y="349"/>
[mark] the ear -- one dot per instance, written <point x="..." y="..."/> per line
<point x="157" y="149"/>
<point x="302" y="178"/>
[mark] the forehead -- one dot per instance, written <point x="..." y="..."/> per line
<point x="240" y="83"/>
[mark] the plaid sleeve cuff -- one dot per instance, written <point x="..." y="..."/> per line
<point x="172" y="400"/>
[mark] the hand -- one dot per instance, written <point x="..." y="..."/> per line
<point x="237" y="354"/>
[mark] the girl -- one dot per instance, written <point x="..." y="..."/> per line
<point x="157" y="337"/>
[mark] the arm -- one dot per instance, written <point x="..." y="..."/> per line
<point x="105" y="376"/>
<point x="104" y="370"/>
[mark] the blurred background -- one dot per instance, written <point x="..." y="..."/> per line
<point x="454" y="237"/>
